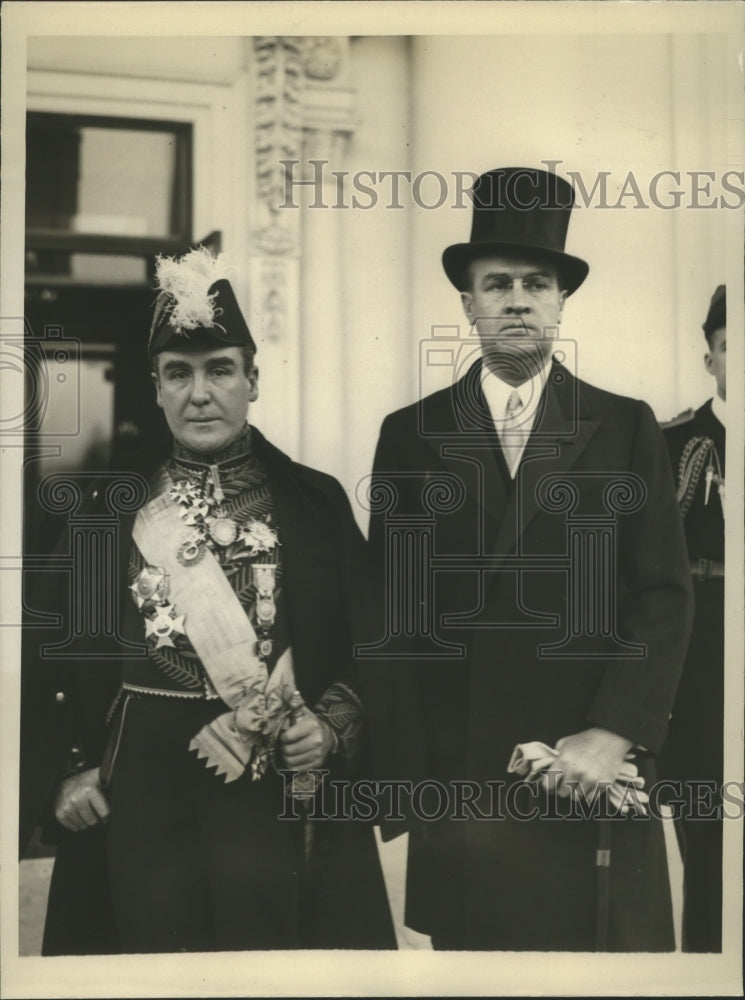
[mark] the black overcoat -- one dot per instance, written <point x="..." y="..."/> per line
<point x="569" y="594"/>
<point x="65" y="701"/>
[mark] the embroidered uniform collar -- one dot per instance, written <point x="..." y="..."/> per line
<point x="240" y="448"/>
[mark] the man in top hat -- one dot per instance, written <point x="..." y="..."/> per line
<point x="693" y="754"/>
<point x="241" y="592"/>
<point x="555" y="602"/>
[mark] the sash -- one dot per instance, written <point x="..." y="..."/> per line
<point x="225" y="641"/>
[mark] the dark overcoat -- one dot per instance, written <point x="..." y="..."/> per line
<point x="568" y="594"/>
<point x="65" y="703"/>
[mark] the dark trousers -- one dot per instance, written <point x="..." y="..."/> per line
<point x="196" y="864"/>
<point x="79" y="918"/>
<point x="700" y="844"/>
<point x="200" y="865"/>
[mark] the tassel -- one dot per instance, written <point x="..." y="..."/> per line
<point x="217" y="490"/>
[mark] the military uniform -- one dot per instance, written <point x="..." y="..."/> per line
<point x="241" y="576"/>
<point x="694" y="749"/>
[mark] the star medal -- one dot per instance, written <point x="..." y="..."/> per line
<point x="259" y="537"/>
<point x="183" y="492"/>
<point x="151" y="586"/>
<point x="198" y="510"/>
<point x="164" y="626"/>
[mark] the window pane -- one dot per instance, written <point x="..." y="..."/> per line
<point x="84" y="178"/>
<point x="86" y="268"/>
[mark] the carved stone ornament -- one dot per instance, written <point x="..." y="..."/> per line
<point x="278" y="113"/>
<point x="322" y="57"/>
<point x="275" y="240"/>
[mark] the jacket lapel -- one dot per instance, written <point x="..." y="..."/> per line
<point x="560" y="434"/>
<point x="459" y="430"/>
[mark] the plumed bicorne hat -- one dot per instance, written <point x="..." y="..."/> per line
<point x="521" y="211"/>
<point x="196" y="305"/>
<point x="716" y="317"/>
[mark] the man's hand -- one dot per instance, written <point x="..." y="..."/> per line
<point x="307" y="743"/>
<point x="586" y="759"/>
<point x="80" y="802"/>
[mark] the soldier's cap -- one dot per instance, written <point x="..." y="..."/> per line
<point x="196" y="305"/>
<point x="716" y="317"/>
<point x="519" y="211"/>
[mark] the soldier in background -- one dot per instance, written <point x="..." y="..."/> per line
<point x="694" y="750"/>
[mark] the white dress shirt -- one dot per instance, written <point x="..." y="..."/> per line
<point x="514" y="428"/>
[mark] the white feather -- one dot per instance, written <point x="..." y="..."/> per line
<point x="187" y="281"/>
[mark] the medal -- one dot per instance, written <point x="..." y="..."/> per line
<point x="183" y="492"/>
<point x="198" y="511"/>
<point x="266" y="610"/>
<point x="191" y="552"/>
<point x="259" y="537"/>
<point x="222" y="530"/>
<point x="151" y="586"/>
<point x="163" y="626"/>
<point x="265" y="580"/>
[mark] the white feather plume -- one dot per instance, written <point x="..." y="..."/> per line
<point x="187" y="281"/>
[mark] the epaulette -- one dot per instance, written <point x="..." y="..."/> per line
<point x="682" y="418"/>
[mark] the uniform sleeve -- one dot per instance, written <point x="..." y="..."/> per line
<point x="656" y="601"/>
<point x="60" y="698"/>
<point x="340" y="705"/>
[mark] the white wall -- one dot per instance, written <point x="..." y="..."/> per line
<point x="615" y="103"/>
<point x="209" y="60"/>
<point x="603" y="103"/>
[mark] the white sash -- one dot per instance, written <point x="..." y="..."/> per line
<point x="223" y="638"/>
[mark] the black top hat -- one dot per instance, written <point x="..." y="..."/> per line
<point x="196" y="306"/>
<point x="522" y="211"/>
<point x="716" y="317"/>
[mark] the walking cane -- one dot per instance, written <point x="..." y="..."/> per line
<point x="304" y="784"/>
<point x="602" y="863"/>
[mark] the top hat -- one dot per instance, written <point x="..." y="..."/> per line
<point x="196" y="305"/>
<point x="524" y="212"/>
<point x="716" y="317"/>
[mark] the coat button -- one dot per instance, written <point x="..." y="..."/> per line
<point x="60" y="697"/>
<point x="95" y="494"/>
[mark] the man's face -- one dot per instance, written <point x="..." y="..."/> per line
<point x="715" y="360"/>
<point x="514" y="302"/>
<point x="205" y="395"/>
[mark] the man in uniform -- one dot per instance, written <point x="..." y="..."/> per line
<point x="559" y="580"/>
<point x="693" y="754"/>
<point x="245" y="579"/>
